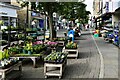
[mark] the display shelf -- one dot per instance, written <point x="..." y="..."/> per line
<point x="108" y="21"/>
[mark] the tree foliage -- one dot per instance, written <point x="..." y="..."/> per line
<point x="70" y="10"/>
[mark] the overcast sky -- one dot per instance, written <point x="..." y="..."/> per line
<point x="89" y="5"/>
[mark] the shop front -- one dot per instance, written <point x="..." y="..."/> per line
<point x="8" y="14"/>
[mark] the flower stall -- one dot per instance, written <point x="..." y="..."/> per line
<point x="56" y="60"/>
<point x="71" y="48"/>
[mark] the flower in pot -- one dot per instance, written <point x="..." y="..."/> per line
<point x="53" y="44"/>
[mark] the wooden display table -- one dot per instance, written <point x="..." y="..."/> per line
<point x="57" y="69"/>
<point x="61" y="43"/>
<point x="33" y="57"/>
<point x="75" y="54"/>
<point x="10" y="72"/>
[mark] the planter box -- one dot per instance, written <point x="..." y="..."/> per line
<point x="53" y="69"/>
<point x="73" y="54"/>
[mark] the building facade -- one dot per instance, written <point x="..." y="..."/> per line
<point x="103" y="8"/>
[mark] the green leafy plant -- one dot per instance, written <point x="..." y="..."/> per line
<point x="61" y="39"/>
<point x="13" y="50"/>
<point x="71" y="45"/>
<point x="56" y="57"/>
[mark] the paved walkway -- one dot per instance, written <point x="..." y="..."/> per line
<point x="88" y="63"/>
<point x="110" y="58"/>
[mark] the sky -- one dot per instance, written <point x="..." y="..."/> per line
<point x="89" y="4"/>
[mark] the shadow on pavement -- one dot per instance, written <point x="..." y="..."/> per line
<point x="80" y="38"/>
<point x="75" y="69"/>
<point x="83" y="55"/>
<point x="28" y="62"/>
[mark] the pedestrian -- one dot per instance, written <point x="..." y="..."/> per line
<point x="33" y="24"/>
<point x="71" y="34"/>
<point x="86" y="27"/>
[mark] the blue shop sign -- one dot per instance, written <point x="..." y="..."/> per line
<point x="107" y="6"/>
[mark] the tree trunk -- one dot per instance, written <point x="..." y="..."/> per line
<point x="51" y="27"/>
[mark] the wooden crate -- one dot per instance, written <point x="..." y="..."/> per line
<point x="75" y="54"/>
<point x="57" y="69"/>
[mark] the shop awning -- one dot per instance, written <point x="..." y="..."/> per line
<point x="105" y="15"/>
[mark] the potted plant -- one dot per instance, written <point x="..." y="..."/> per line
<point x="13" y="50"/>
<point x="52" y="44"/>
<point x="28" y="50"/>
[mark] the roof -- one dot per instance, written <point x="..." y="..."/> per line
<point x="9" y="6"/>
